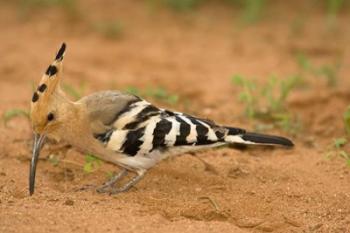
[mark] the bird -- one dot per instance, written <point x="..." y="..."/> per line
<point x="123" y="129"/>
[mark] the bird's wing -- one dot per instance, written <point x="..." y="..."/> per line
<point x="104" y="107"/>
<point x="138" y="127"/>
<point x="130" y="125"/>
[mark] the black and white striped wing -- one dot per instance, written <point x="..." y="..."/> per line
<point x="127" y="124"/>
<point x="142" y="128"/>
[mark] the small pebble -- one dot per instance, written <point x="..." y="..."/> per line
<point x="249" y="222"/>
<point x="69" y="202"/>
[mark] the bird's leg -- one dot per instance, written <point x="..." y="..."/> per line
<point x="108" y="185"/>
<point x="128" y="185"/>
<point x="207" y="166"/>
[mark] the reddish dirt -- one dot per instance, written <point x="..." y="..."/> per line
<point x="193" y="54"/>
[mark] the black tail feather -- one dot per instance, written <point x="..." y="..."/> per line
<point x="267" y="139"/>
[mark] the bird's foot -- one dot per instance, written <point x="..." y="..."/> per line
<point x="109" y="184"/>
<point x="110" y="189"/>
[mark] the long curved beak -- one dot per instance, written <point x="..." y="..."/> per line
<point x="38" y="142"/>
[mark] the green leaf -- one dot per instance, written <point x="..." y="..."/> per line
<point x="109" y="174"/>
<point x="91" y="163"/>
<point x="88" y="167"/>
<point x="252" y="10"/>
<point x="344" y="154"/>
<point x="73" y="92"/>
<point x="346" y="119"/>
<point x="303" y="62"/>
<point x="133" y="90"/>
<point x="333" y="6"/>
<point x="238" y="80"/>
<point x="53" y="159"/>
<point x="12" y="113"/>
<point x="173" y="99"/>
<point x="110" y="29"/>
<point x="91" y="158"/>
<point x="182" y="5"/>
<point x="339" y="142"/>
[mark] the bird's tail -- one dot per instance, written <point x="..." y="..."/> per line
<point x="235" y="135"/>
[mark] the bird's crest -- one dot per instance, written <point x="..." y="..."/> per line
<point x="50" y="79"/>
<point x="48" y="87"/>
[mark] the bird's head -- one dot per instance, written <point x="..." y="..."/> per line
<point x="47" y="109"/>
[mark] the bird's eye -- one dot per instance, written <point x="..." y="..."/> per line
<point x="50" y="116"/>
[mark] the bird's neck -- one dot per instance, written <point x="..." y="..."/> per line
<point x="77" y="132"/>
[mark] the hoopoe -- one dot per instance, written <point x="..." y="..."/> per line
<point x="123" y="129"/>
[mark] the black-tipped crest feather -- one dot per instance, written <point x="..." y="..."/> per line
<point x="51" y="70"/>
<point x="60" y="52"/>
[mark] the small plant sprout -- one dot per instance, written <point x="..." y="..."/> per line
<point x="252" y="10"/>
<point x="181" y="5"/>
<point x="133" y="90"/>
<point x="70" y="7"/>
<point x="161" y="94"/>
<point x="92" y="163"/>
<point x="339" y="142"/>
<point x="346" y="118"/>
<point x="346" y="156"/>
<point x="327" y="71"/>
<point x="247" y="95"/>
<point x="54" y="160"/>
<point x="110" y="29"/>
<point x="268" y="102"/>
<point x="74" y="92"/>
<point x="337" y="147"/>
<point x="333" y="8"/>
<point x="156" y="93"/>
<point x="12" y="113"/>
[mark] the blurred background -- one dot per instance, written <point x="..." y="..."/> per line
<point x="271" y="66"/>
<point x="228" y="60"/>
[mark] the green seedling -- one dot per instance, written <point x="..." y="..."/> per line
<point x="346" y="156"/>
<point x="54" y="160"/>
<point x="12" y="113"/>
<point x="330" y="73"/>
<point x="288" y="123"/>
<point x="333" y="7"/>
<point x="346" y="118"/>
<point x="339" y="142"/>
<point x="69" y="6"/>
<point x="337" y="149"/>
<point x="73" y="92"/>
<point x="327" y="71"/>
<point x="303" y="62"/>
<point x="92" y="163"/>
<point x="109" y="175"/>
<point x="268" y="102"/>
<point x="110" y="29"/>
<point x="247" y="95"/>
<point x="181" y="5"/>
<point x="157" y="93"/>
<point x="161" y="94"/>
<point x="133" y="90"/>
<point x="252" y="95"/>
<point x="298" y="24"/>
<point x="252" y="10"/>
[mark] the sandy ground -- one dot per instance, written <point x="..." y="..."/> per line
<point x="194" y="55"/>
